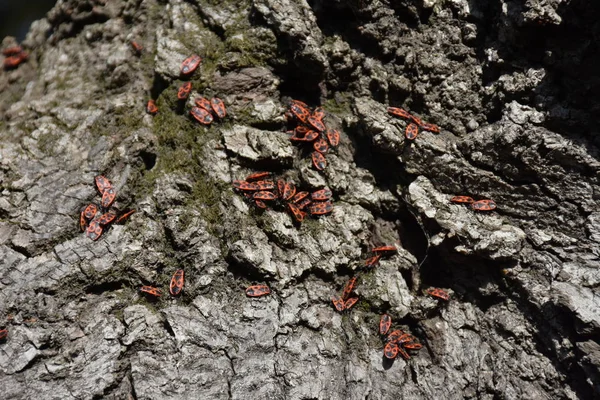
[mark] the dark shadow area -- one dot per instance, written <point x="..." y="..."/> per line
<point x="17" y="16"/>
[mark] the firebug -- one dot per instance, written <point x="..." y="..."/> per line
<point x="156" y="292"/>
<point x="184" y="91"/>
<point x="323" y="194"/>
<point x="483" y="205"/>
<point x="258" y="290"/>
<point x="218" y="107"/>
<point x="318" y="160"/>
<point x="321" y="208"/>
<point x="190" y="64"/>
<point x="391" y="350"/>
<point x="201" y="115"/>
<point x="462" y="199"/>
<point x="333" y="137"/>
<point x="176" y="285"/>
<point x="384" y="324"/>
<point x="439" y="293"/>
<point x="151" y="107"/>
<point x="411" y="132"/>
<point x="321" y="146"/>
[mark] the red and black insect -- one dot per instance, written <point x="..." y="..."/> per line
<point x="258" y="175"/>
<point x="299" y="196"/>
<point x="384" y="324"/>
<point x="316" y="123"/>
<point x="137" y="48"/>
<point x="156" y="292"/>
<point x="94" y="230"/>
<point x="385" y="249"/>
<point x="15" y="60"/>
<point x="483" y="205"/>
<point x="349" y="287"/>
<point x="3" y="334"/>
<point x="264" y="195"/>
<point x="439" y="293"/>
<point x="333" y="137"/>
<point x="265" y="185"/>
<point x="372" y="261"/>
<point x="289" y="190"/>
<point x="350" y="302"/>
<point x="430" y="127"/>
<point x="462" y="199"/>
<point x="218" y="107"/>
<point x="124" y="216"/>
<point x="321" y="195"/>
<point x="257" y="291"/>
<point x="190" y="64"/>
<point x="102" y="184"/>
<point x="151" y="107"/>
<point x="300" y="111"/>
<point x="318" y="160"/>
<point x="403" y="353"/>
<point x="394" y="336"/>
<point x="321" y="146"/>
<point x="108" y="197"/>
<point x="107" y="218"/>
<point x="184" y="91"/>
<point x="413" y="346"/>
<point x="338" y="303"/>
<point x="12" y="50"/>
<point x="303" y="203"/>
<point x="321" y="208"/>
<point x="308" y="136"/>
<point x="82" y="222"/>
<point x="203" y="103"/>
<point x="90" y="211"/>
<point x="411" y="131"/>
<point x="398" y="112"/>
<point x="201" y="115"/>
<point x="243" y="185"/>
<point x="298" y="214"/>
<point x="176" y="286"/>
<point x="391" y="350"/>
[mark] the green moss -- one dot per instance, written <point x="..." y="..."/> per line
<point x="47" y="142"/>
<point x="339" y="105"/>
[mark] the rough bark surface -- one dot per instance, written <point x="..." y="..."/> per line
<point x="512" y="85"/>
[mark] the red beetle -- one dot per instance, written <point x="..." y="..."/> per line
<point x="300" y="112"/>
<point x="430" y="127"/>
<point x="321" y="195"/>
<point x="190" y="64"/>
<point x="385" y="249"/>
<point x="413" y="346"/>
<point x="300" y="103"/>
<point x="108" y="197"/>
<point x="483" y="205"/>
<point x="398" y="112"/>
<point x="384" y="324"/>
<point x="203" y="103"/>
<point x="258" y="290"/>
<point x="151" y="291"/>
<point x="350" y="302"/>
<point x="462" y="199"/>
<point x="349" y="287"/>
<point x="124" y="216"/>
<point x="394" y="336"/>
<point x="298" y="214"/>
<point x="411" y="132"/>
<point x="12" y="50"/>
<point x="218" y="107"/>
<point x="333" y="137"/>
<point x="102" y="183"/>
<point x="338" y="303"/>
<point x="303" y="203"/>
<point x="372" y="261"/>
<point x="3" y="334"/>
<point x="391" y="350"/>
<point x="265" y="185"/>
<point x="107" y="218"/>
<point x="137" y="48"/>
<point x="299" y="196"/>
<point x="82" y="221"/>
<point x="316" y="123"/>
<point x="184" y="91"/>
<point x="176" y="286"/>
<point x="151" y="107"/>
<point x="289" y="190"/>
<point x="318" y="113"/>
<point x="309" y="136"/>
<point x="321" y="208"/>
<point x="243" y="185"/>
<point x="258" y="175"/>
<point x="201" y="115"/>
<point x="90" y="211"/>
<point x="318" y="160"/>
<point x="264" y="195"/>
<point x="94" y="230"/>
<point x="321" y="146"/>
<point x="439" y="293"/>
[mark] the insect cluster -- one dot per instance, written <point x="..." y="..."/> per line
<point x="264" y="192"/>
<point x="94" y="219"/>
<point x="311" y="129"/>
<point x="175" y="288"/>
<point x="479" y="205"/>
<point x="412" y="129"/>
<point x="205" y="111"/>
<point x="398" y="341"/>
<point x="15" y="55"/>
